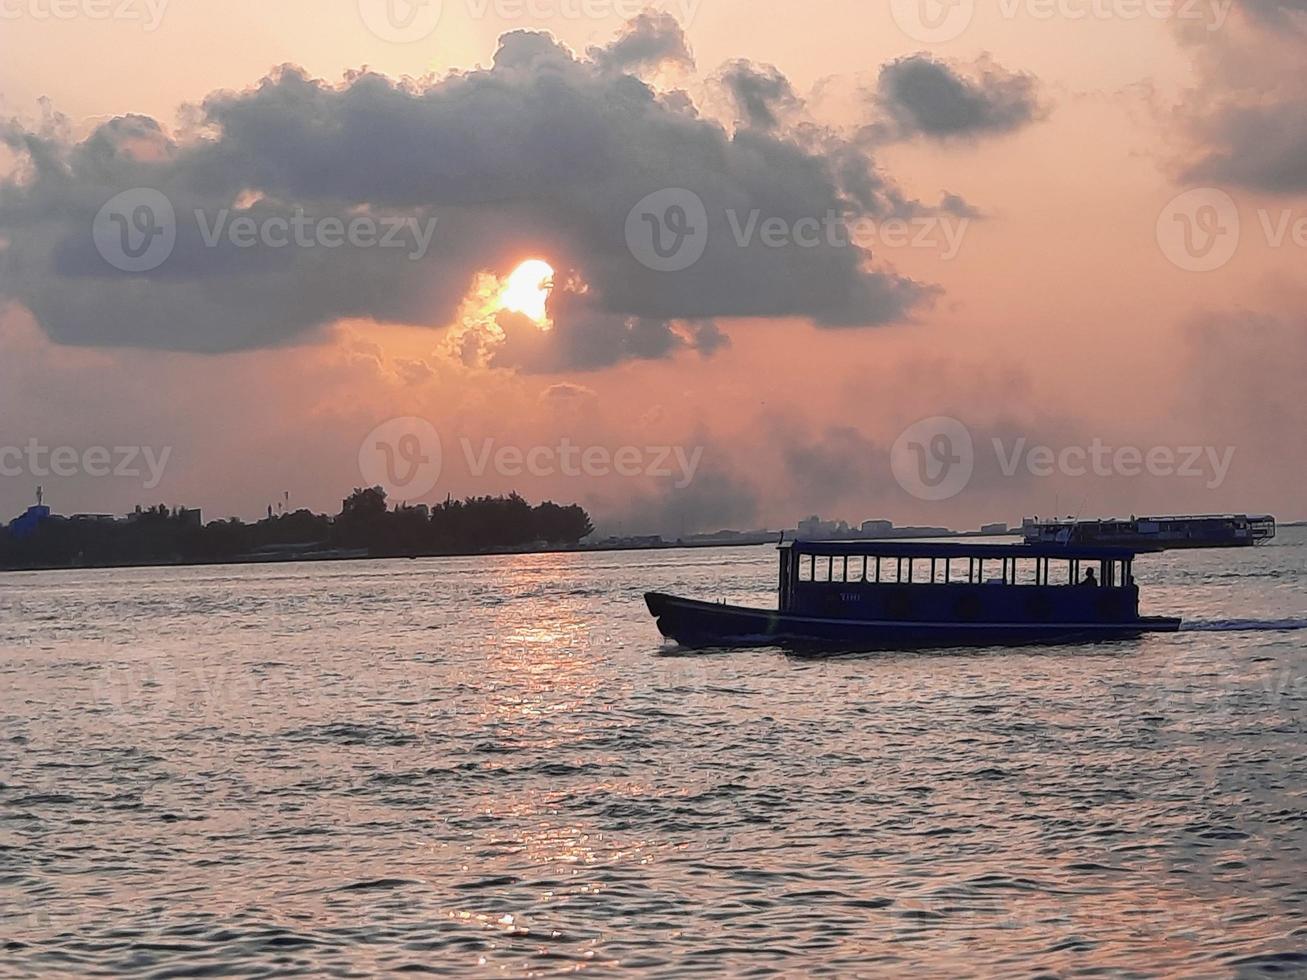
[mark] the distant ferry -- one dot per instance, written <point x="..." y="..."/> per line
<point x="859" y="595"/>
<point x="1211" y="531"/>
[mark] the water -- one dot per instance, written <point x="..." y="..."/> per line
<point x="492" y="766"/>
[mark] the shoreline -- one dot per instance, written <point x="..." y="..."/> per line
<point x="509" y="553"/>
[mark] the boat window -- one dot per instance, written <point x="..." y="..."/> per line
<point x="806" y="563"/>
<point x="822" y="574"/>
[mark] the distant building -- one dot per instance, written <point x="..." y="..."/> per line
<point x="994" y="529"/>
<point x="876" y="529"/>
<point x="26" y="525"/>
<point x="815" y="529"/>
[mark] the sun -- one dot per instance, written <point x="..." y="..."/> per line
<point x="527" y="289"/>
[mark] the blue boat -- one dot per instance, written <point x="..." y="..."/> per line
<point x="902" y="596"/>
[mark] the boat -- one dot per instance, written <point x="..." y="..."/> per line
<point x="1199" y="531"/>
<point x="863" y="595"/>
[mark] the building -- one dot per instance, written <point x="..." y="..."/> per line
<point x="26" y="525"/>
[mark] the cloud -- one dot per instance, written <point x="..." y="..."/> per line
<point x="927" y="97"/>
<point x="566" y="391"/>
<point x="543" y="153"/>
<point x="1246" y="119"/>
<point x="760" y="93"/>
<point x="1261" y="147"/>
<point x="1280" y="14"/>
<point x="650" y="40"/>
<point x="719" y="498"/>
<point x="585" y="337"/>
<point x="1243" y="386"/>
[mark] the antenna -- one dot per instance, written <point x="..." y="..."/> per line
<point x="1075" y="523"/>
<point x="40" y="496"/>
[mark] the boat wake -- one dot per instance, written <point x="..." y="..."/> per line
<point x="1246" y="626"/>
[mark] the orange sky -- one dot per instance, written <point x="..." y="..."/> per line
<point x="1060" y="318"/>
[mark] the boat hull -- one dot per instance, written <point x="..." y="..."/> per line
<point x="702" y="624"/>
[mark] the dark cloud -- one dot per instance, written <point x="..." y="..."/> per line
<point x="543" y="153"/>
<point x="827" y="469"/>
<point x="586" y="337"/>
<point x="651" y="39"/>
<point x="1246" y="117"/>
<point x="924" y="96"/>
<point x="1261" y="147"/>
<point x="1278" y="14"/>
<point x="760" y="93"/>
<point x="719" y="497"/>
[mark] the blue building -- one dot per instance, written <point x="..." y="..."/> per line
<point x="25" y="526"/>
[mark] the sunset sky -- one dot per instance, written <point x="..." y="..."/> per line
<point x="1059" y="224"/>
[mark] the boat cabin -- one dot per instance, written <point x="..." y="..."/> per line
<point x="957" y="582"/>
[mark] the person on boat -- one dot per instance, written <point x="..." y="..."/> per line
<point x="1091" y="580"/>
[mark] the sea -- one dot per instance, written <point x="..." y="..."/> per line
<point x="496" y="767"/>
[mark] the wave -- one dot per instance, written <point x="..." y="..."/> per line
<point x="1246" y="626"/>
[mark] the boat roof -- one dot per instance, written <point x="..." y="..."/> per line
<point x="1069" y="521"/>
<point x="951" y="549"/>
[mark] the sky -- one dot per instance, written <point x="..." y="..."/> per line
<point x="694" y="265"/>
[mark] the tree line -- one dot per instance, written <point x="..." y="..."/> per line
<point x="366" y="525"/>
